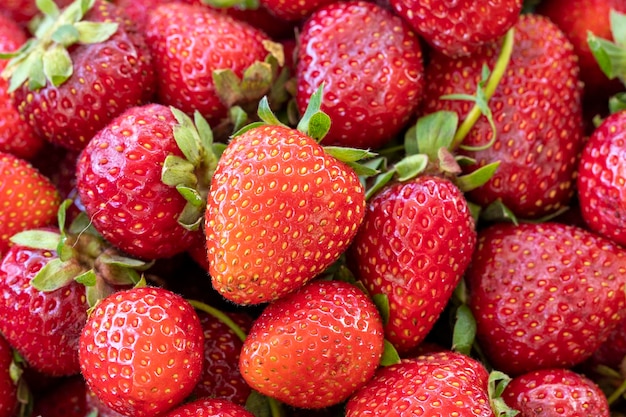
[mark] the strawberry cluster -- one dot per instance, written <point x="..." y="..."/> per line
<point x="324" y="208"/>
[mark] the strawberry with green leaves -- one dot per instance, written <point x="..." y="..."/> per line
<point x="544" y="295"/>
<point x="314" y="347"/>
<point x="602" y="179"/>
<point x="370" y="63"/>
<point x="554" y="393"/>
<point x="281" y="208"/>
<point x="460" y="27"/>
<point x="141" y="351"/>
<point x="85" y="65"/>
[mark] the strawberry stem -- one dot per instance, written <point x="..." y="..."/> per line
<point x="199" y="305"/>
<point x="496" y="75"/>
<point x="617" y="394"/>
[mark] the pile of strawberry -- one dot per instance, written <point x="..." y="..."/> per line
<point x="312" y="208"/>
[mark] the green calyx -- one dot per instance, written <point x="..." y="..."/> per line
<point x="191" y="175"/>
<point x="45" y="58"/>
<point x="240" y="4"/>
<point x="611" y="56"/>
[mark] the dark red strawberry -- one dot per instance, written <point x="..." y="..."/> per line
<point x="66" y="399"/>
<point x="315" y="347"/>
<point x="8" y="387"/>
<point x="370" y="63"/>
<point x="210" y="407"/>
<point x="135" y="340"/>
<point x="544" y="295"/>
<point x="415" y="243"/>
<point x="104" y="72"/>
<point x="23" y="11"/>
<point x="459" y="27"/>
<point x="538" y="125"/>
<point x="555" y="393"/>
<point x="441" y="384"/>
<point x="29" y="199"/>
<point x="602" y="179"/>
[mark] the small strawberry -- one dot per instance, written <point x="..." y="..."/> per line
<point x="8" y="387"/>
<point x="370" y="63"/>
<point x="544" y="295"/>
<point x="459" y="27"/>
<point x="555" y="393"/>
<point x="29" y="199"/>
<point x="602" y="179"/>
<point x="77" y="74"/>
<point x="209" y="407"/>
<point x="416" y="241"/>
<point x="314" y="347"/>
<point x="135" y="340"/>
<point x="439" y="385"/>
<point x="537" y="125"/>
<point x="280" y="209"/>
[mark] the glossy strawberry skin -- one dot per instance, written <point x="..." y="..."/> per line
<point x="371" y="65"/>
<point x="459" y="28"/>
<point x="538" y="124"/>
<point x="293" y="10"/>
<point x="602" y="179"/>
<point x="29" y="199"/>
<point x="210" y="407"/>
<point x="31" y="319"/>
<point x="22" y="11"/>
<point x="314" y="347"/>
<point x="8" y="388"/>
<point x="554" y="393"/>
<point x="185" y="55"/>
<point x="544" y="295"/>
<point x="279" y="212"/>
<point x="416" y="241"/>
<point x="141" y="351"/>
<point x="109" y="77"/>
<point x="439" y="385"/>
<point x="119" y="183"/>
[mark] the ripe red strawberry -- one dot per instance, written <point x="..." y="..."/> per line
<point x="460" y="27"/>
<point x="280" y="210"/>
<point x="416" y="241"/>
<point x="544" y="295"/>
<point x="29" y="199"/>
<point x="314" y="347"/>
<point x="371" y="65"/>
<point x="209" y="407"/>
<point x="555" y="393"/>
<point x="135" y="340"/>
<point x="23" y="11"/>
<point x="8" y="387"/>
<point x="81" y="92"/>
<point x="188" y="43"/>
<point x="16" y="136"/>
<point x="602" y="179"/>
<point x="438" y="385"/>
<point x="31" y="319"/>
<point x="119" y="180"/>
<point x="294" y="10"/>
<point x="538" y="124"/>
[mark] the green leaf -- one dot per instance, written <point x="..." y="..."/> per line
<point x="228" y="87"/>
<point x="65" y="35"/>
<point x="124" y="261"/>
<point x="436" y="131"/>
<point x="411" y="146"/>
<point x="447" y="162"/>
<point x="618" y="27"/>
<point x="95" y="32"/>
<point x="48" y="8"/>
<point x="496" y="385"/>
<point x="37" y="239"/>
<point x="390" y="355"/>
<point x="497" y="212"/>
<point x="178" y="171"/>
<point x="476" y="211"/>
<point x="610" y="57"/>
<point x="258" y="404"/>
<point x="241" y="4"/>
<point x="83" y="224"/>
<point x="191" y="195"/>
<point x="238" y="117"/>
<point x="192" y="216"/>
<point x="617" y="103"/>
<point x="319" y="125"/>
<point x="248" y="127"/>
<point x="379" y="182"/>
<point x="265" y="113"/>
<point x="464" y="332"/>
<point x="205" y="133"/>
<point x="256" y="80"/>
<point x="87" y="278"/>
<point x="382" y="303"/>
<point x="186" y="136"/>
<point x="411" y="166"/>
<point x="362" y="170"/>
<point x="477" y="178"/>
<point x="56" y="274"/>
<point x="309" y="117"/>
<point x="348" y="154"/>
<point x="57" y="65"/>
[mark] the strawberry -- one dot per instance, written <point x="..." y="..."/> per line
<point x="29" y="199"/>
<point x="280" y="210"/>
<point x="602" y="179"/>
<point x="294" y="10"/>
<point x="209" y="407"/>
<point x="106" y="70"/>
<point x="437" y="385"/>
<point x="120" y="182"/>
<point x="136" y="339"/>
<point x="16" y="136"/>
<point x="460" y="27"/>
<point x="314" y="347"/>
<point x="8" y="387"/>
<point x="188" y="44"/>
<point x="371" y="65"/>
<point x="555" y="392"/>
<point x="538" y="125"/>
<point x="23" y="11"/>
<point x="544" y="295"/>
<point x="415" y="243"/>
<point x="612" y="352"/>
